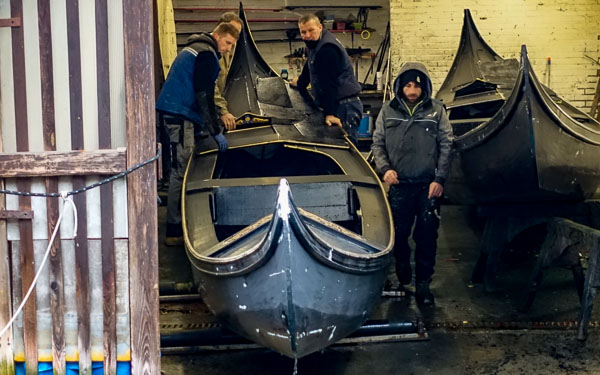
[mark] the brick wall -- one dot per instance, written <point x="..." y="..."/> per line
<point x="567" y="31"/>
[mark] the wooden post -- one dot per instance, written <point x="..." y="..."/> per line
<point x="7" y="365"/>
<point x="109" y="298"/>
<point x="141" y="197"/>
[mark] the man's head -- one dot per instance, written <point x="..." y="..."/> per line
<point x="410" y="82"/>
<point x="310" y="29"/>
<point x="231" y="18"/>
<point x="226" y="35"/>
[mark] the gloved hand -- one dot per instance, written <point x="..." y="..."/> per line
<point x="222" y="142"/>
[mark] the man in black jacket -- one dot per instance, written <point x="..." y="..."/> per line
<point x="187" y="104"/>
<point x="329" y="71"/>
<point x="412" y="148"/>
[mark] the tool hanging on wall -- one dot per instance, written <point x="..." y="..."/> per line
<point x="380" y="56"/>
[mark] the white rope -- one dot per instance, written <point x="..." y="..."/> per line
<point x="66" y="199"/>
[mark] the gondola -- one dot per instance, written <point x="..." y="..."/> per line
<point x="517" y="141"/>
<point x="289" y="232"/>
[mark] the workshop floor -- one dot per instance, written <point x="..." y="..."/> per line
<point x="459" y="340"/>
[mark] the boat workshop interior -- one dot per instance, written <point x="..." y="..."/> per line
<point x="286" y="264"/>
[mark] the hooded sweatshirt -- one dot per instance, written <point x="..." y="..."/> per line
<point x="189" y="89"/>
<point x="415" y="141"/>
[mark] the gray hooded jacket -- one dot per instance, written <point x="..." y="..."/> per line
<point x="417" y="143"/>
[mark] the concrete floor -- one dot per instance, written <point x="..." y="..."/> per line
<point x="457" y="345"/>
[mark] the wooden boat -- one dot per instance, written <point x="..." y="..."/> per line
<point x="517" y="141"/>
<point x="289" y="232"/>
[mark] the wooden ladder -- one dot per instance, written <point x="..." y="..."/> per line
<point x="595" y="111"/>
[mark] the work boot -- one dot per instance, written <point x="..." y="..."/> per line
<point x="404" y="273"/>
<point x="174" y="235"/>
<point x="423" y="295"/>
<point x="174" y="241"/>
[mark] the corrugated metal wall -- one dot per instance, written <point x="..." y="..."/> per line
<point x="62" y="88"/>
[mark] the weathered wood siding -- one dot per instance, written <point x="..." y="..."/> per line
<point x="64" y="125"/>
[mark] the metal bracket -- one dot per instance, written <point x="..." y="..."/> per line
<point x="13" y="214"/>
<point x="10" y="22"/>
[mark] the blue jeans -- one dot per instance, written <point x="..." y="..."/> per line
<point x="350" y="112"/>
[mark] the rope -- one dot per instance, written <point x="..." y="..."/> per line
<point x="66" y="199"/>
<point x="85" y="188"/>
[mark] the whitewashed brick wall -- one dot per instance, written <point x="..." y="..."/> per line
<point x="567" y="31"/>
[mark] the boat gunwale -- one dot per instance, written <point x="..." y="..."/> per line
<point x="260" y="253"/>
<point x="526" y="84"/>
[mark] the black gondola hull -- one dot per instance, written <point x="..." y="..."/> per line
<point x="534" y="147"/>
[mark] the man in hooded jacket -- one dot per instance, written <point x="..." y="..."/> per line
<point x="187" y="104"/>
<point x="412" y="148"/>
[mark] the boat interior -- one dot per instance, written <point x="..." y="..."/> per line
<point x="244" y="184"/>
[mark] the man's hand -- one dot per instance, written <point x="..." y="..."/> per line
<point x="332" y="120"/>
<point x="294" y="82"/>
<point x="228" y="121"/>
<point x="222" y="142"/>
<point x="435" y="190"/>
<point x="391" y="177"/>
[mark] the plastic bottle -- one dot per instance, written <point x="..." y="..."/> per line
<point x="284" y="73"/>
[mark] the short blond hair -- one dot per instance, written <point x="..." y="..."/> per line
<point x="309" y="17"/>
<point x="226" y="28"/>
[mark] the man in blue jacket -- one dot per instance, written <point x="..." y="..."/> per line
<point x="187" y="103"/>
<point x="412" y="148"/>
<point x="328" y="69"/>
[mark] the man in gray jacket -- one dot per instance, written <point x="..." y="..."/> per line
<point x="412" y="146"/>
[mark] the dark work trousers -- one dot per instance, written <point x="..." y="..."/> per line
<point x="409" y="201"/>
<point x="181" y="133"/>
<point x="350" y="112"/>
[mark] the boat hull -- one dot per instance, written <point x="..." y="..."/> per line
<point x="295" y="303"/>
<point x="534" y="147"/>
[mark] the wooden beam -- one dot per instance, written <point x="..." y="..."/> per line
<point x="109" y="298"/>
<point x="7" y="364"/>
<point x="141" y="185"/>
<point x="55" y="276"/>
<point x="14" y="214"/>
<point x="10" y="22"/>
<point x="25" y="226"/>
<point x="55" y="163"/>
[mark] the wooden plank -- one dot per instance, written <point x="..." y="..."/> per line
<point x="13" y="214"/>
<point x="7" y="366"/>
<point x="56" y="163"/>
<point x="46" y="76"/>
<point x="142" y="210"/>
<point x="77" y="143"/>
<point x="10" y="22"/>
<point x="167" y="37"/>
<point x="57" y="300"/>
<point x="27" y="274"/>
<point x="82" y="281"/>
<point x="106" y="194"/>
<point x="25" y="226"/>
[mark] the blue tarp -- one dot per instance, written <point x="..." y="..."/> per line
<point x="45" y="368"/>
